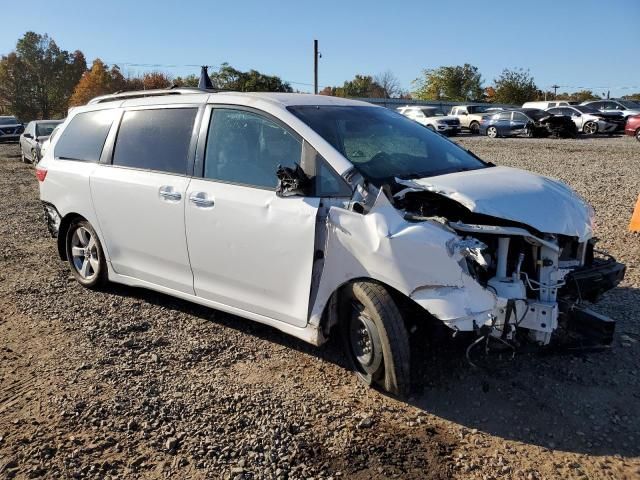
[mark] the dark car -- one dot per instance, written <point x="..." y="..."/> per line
<point x="529" y="122"/>
<point x="10" y="128"/>
<point x="633" y="126"/>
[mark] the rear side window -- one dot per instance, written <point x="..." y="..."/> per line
<point x="84" y="137"/>
<point x="155" y="139"/>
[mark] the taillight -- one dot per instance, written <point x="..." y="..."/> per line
<point x="41" y="174"/>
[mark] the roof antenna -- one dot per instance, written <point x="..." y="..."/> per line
<point x="205" y="81"/>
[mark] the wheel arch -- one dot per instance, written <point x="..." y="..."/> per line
<point x="65" y="223"/>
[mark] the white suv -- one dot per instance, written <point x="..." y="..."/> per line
<point x="433" y="118"/>
<point x="311" y="212"/>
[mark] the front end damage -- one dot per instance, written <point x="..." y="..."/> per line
<point x="503" y="277"/>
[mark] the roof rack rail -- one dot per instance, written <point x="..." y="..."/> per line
<point x="148" y="93"/>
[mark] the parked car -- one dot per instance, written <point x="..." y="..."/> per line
<point x="470" y="116"/>
<point x="623" y="107"/>
<point x="433" y="118"/>
<point x="589" y="120"/>
<point x="47" y="142"/>
<point x="632" y="126"/>
<point x="529" y="122"/>
<point x="320" y="216"/>
<point x="34" y="135"/>
<point x="10" y="128"/>
<point x="544" y="105"/>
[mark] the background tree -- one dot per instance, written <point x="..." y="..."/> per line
<point x="515" y="87"/>
<point x="37" y="79"/>
<point x="187" y="81"/>
<point x="389" y="83"/>
<point x="98" y="81"/>
<point x="457" y="83"/>
<point x="229" y="78"/>
<point x="632" y="96"/>
<point x="580" y="96"/>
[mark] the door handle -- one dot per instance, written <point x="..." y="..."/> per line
<point x="201" y="199"/>
<point x="167" y="192"/>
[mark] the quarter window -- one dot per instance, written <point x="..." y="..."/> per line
<point x="84" y="137"/>
<point x="246" y="148"/>
<point x="155" y="139"/>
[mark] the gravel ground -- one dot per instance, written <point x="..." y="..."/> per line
<point x="126" y="383"/>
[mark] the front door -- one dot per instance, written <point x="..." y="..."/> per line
<point x="140" y="198"/>
<point x="249" y="248"/>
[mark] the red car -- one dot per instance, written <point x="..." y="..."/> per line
<point x="633" y="126"/>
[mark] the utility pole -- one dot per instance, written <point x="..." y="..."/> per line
<point x="555" y="91"/>
<point x="315" y="66"/>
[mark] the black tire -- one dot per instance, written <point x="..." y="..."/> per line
<point x="430" y="127"/>
<point x="93" y="261"/>
<point x="528" y="132"/>
<point x="590" y="128"/>
<point x="474" y="128"/>
<point x="492" y="132"/>
<point x="638" y="134"/>
<point x="368" y="306"/>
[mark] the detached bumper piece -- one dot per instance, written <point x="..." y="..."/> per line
<point x="593" y="328"/>
<point x="588" y="283"/>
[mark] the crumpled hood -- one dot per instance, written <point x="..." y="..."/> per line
<point x="545" y="204"/>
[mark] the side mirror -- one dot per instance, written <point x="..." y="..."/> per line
<point x="292" y="181"/>
<point x="463" y="113"/>
<point x="27" y="135"/>
<point x="577" y="114"/>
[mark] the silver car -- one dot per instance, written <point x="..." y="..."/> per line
<point x="589" y="120"/>
<point x="34" y="136"/>
<point x="625" y="107"/>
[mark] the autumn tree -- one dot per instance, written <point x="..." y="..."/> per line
<point x="98" y="81"/>
<point x="515" y="87"/>
<point x="457" y="83"/>
<point x="37" y="78"/>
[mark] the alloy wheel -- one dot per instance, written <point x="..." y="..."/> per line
<point x="590" y="128"/>
<point x="84" y="252"/>
<point x="492" y="132"/>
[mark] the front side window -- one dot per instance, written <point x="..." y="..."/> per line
<point x="155" y="139"/>
<point x="85" y="135"/>
<point x="382" y="144"/>
<point x="247" y="148"/>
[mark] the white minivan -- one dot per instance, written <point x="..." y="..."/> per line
<point x="316" y="215"/>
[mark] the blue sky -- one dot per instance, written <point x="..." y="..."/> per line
<point x="586" y="43"/>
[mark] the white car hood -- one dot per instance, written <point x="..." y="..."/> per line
<point x="545" y="204"/>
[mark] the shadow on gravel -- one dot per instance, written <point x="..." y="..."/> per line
<point x="583" y="402"/>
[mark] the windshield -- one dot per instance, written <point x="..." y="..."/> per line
<point x="8" y="120"/>
<point x="432" y="112"/>
<point x="45" y="129"/>
<point x="383" y="144"/>
<point x="478" y="108"/>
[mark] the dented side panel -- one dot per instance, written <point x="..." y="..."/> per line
<point x="413" y="258"/>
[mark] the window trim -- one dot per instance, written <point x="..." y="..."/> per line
<point x="112" y="137"/>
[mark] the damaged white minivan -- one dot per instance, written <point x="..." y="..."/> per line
<point x="317" y="215"/>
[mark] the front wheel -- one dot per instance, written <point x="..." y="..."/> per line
<point x="638" y="134"/>
<point x="85" y="254"/>
<point x="375" y="338"/>
<point x="474" y="127"/>
<point x="492" y="132"/>
<point x="590" y="128"/>
<point x="431" y="127"/>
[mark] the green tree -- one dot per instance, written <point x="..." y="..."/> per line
<point x="457" y="83"/>
<point x="581" y="96"/>
<point x="188" y="81"/>
<point x="37" y="79"/>
<point x="632" y="96"/>
<point x="515" y="87"/>
<point x="229" y="78"/>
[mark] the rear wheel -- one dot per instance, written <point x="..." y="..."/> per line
<point x="638" y="134"/>
<point x="492" y="132"/>
<point x="474" y="127"/>
<point x="85" y="254"/>
<point x="590" y="128"/>
<point x="375" y="338"/>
